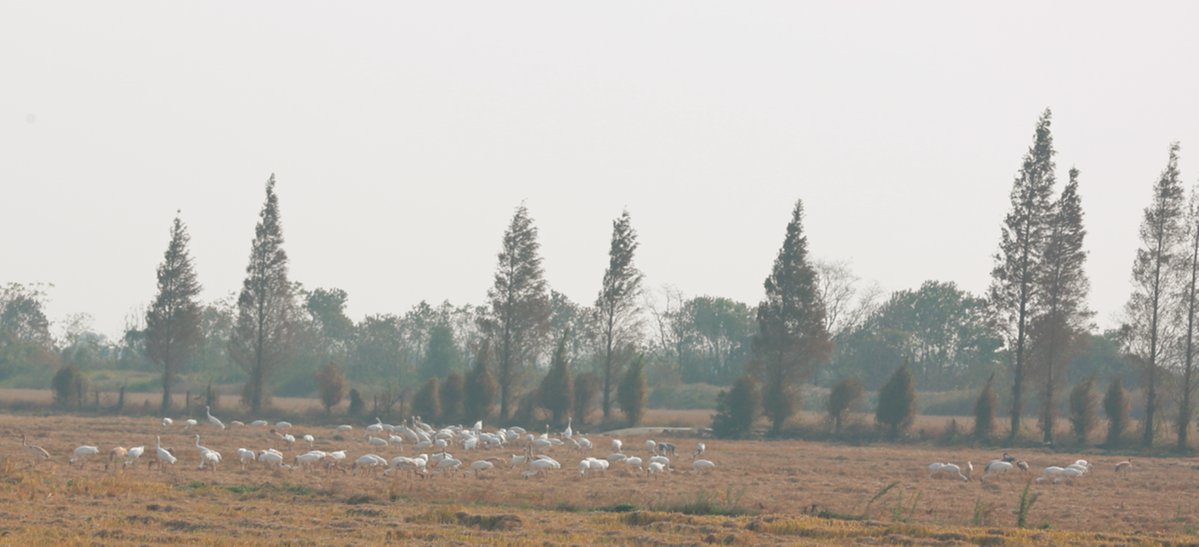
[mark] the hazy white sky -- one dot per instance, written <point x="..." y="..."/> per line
<point x="404" y="135"/>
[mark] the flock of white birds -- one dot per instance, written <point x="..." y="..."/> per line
<point x="1000" y="466"/>
<point x="432" y="444"/>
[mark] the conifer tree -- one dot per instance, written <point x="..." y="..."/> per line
<point x="331" y="384"/>
<point x="480" y="387"/>
<point x="1115" y="405"/>
<point x="427" y="401"/>
<point x="173" y="321"/>
<point x="897" y="402"/>
<point x="586" y="388"/>
<point x="792" y="337"/>
<point x="842" y="399"/>
<point x="984" y="411"/>
<point x="453" y="391"/>
<point x="262" y="334"/>
<point x="557" y="388"/>
<point x="1025" y="229"/>
<point x="1083" y="409"/>
<point x="737" y="408"/>
<point x="1149" y="308"/>
<point x="1189" y="304"/>
<point x="617" y="305"/>
<point x="1062" y="288"/>
<point x="632" y="393"/>
<point x="518" y="321"/>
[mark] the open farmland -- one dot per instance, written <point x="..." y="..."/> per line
<point x="760" y="492"/>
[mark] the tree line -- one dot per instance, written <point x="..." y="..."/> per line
<point x="816" y="325"/>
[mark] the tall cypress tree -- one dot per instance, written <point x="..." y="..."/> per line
<point x="1062" y="286"/>
<point x="1162" y="235"/>
<point x="556" y="392"/>
<point x="792" y="337"/>
<point x="1189" y="303"/>
<point x="173" y="320"/>
<point x="480" y="387"/>
<point x="617" y="305"/>
<point x="518" y="322"/>
<point x="262" y="335"/>
<point x="1022" y="241"/>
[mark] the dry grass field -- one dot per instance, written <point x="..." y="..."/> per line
<point x="761" y="492"/>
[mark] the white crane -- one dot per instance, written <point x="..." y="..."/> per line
<point x="82" y="453"/>
<point x="699" y="450"/>
<point x="478" y="466"/>
<point x="245" y="455"/>
<point x="309" y="439"/>
<point x="166" y="422"/>
<point x="213" y="419"/>
<point x="271" y="458"/>
<point x="569" y="432"/>
<point x="133" y="454"/>
<point x="700" y="465"/>
<point x="188" y="424"/>
<point x="209" y="459"/>
<point x="164" y="455"/>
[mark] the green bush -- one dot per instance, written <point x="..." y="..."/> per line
<point x="737" y="409"/>
<point x="984" y="411"/>
<point x="69" y="387"/>
<point x="845" y="395"/>
<point x="897" y="403"/>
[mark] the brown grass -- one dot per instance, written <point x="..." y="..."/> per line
<point x="787" y="491"/>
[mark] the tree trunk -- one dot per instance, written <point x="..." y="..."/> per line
<point x="167" y="377"/>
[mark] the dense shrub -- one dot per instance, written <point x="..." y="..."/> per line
<point x="737" y="408"/>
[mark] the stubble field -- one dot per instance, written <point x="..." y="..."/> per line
<point x="760" y="492"/>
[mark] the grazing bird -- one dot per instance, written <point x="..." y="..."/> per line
<point x="344" y="428"/>
<point x="616" y="444"/>
<point x="282" y="425"/>
<point x="188" y="424"/>
<point x="213" y="419"/>
<point x="271" y="458"/>
<point x="478" y="466"/>
<point x="700" y="465"/>
<point x="117" y="454"/>
<point x="1008" y="458"/>
<point x="37" y="452"/>
<point x="569" y="432"/>
<point x="164" y="455"/>
<point x="699" y="450"/>
<point x="133" y="454"/>
<point x="309" y="439"/>
<point x="166" y="422"/>
<point x="655" y="468"/>
<point x="996" y="467"/>
<point x="937" y="470"/>
<point x="236" y="423"/>
<point x="82" y="454"/>
<point x="209" y="459"/>
<point x="651" y="446"/>
<point x="258" y="423"/>
<point x="245" y="455"/>
<point x="1125" y="465"/>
